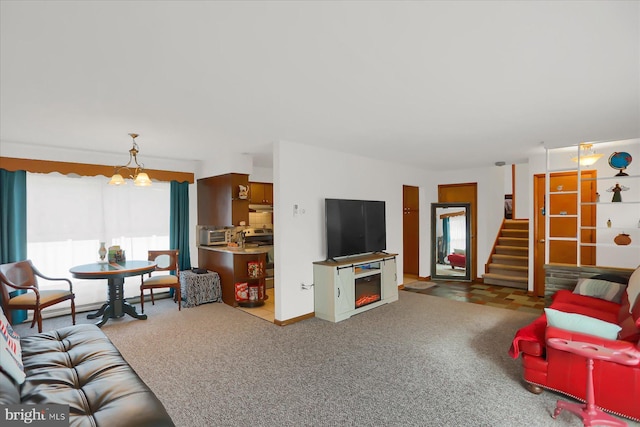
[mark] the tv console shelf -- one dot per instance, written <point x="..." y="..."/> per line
<point x="351" y="285"/>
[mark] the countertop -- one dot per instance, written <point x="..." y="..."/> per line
<point x="247" y="249"/>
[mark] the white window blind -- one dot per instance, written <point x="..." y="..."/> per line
<point x="68" y="217"/>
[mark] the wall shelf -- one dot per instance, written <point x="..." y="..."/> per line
<point x="585" y="192"/>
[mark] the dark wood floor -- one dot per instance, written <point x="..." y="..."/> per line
<point x="495" y="296"/>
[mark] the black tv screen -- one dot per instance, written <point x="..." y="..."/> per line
<point x="355" y="227"/>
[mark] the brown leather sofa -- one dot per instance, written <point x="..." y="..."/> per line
<point x="80" y="367"/>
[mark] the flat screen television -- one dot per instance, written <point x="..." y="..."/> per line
<point x="355" y="227"/>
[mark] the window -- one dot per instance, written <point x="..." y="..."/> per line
<point x="68" y="217"/>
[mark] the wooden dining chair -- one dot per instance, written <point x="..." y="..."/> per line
<point x="23" y="275"/>
<point x="165" y="261"/>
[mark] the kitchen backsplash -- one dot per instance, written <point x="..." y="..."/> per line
<point x="260" y="219"/>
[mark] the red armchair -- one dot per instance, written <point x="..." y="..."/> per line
<point x="457" y="260"/>
<point x="616" y="387"/>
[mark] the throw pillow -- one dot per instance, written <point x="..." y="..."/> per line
<point x="633" y="289"/>
<point x="583" y="324"/>
<point x="10" y="351"/>
<point x="603" y="289"/>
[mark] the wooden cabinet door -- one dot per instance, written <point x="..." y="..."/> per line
<point x="268" y="193"/>
<point x="261" y="193"/>
<point x="256" y="192"/>
<point x="410" y="230"/>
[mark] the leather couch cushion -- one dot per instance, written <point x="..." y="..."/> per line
<point x="78" y="366"/>
<point x="9" y="390"/>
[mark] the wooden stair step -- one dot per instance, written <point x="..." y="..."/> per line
<point x="510" y="267"/>
<point x="510" y="259"/>
<point x="510" y="250"/>
<point x="513" y="241"/>
<point x="516" y="224"/>
<point x="505" y="278"/>
<point x="508" y="270"/>
<point x="515" y="232"/>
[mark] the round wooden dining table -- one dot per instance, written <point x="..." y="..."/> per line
<point x="116" y="306"/>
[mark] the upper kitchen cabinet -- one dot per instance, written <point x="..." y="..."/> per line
<point x="219" y="200"/>
<point x="261" y="193"/>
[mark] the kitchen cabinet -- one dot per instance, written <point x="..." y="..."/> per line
<point x="350" y="286"/>
<point x="232" y="267"/>
<point x="261" y="193"/>
<point x="219" y="203"/>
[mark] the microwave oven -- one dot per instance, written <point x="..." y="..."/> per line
<point x="215" y="237"/>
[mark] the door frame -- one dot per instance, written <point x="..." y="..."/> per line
<point x="539" y="226"/>
<point x="447" y="193"/>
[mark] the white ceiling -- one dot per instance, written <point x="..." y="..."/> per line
<point x="430" y="84"/>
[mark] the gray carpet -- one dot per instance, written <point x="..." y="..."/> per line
<point x="421" y="361"/>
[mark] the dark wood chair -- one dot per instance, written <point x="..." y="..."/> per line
<point x="23" y="275"/>
<point x="165" y="261"/>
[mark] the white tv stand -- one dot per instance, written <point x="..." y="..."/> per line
<point x="348" y="286"/>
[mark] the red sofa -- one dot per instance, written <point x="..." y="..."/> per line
<point x="617" y="387"/>
<point x="457" y="260"/>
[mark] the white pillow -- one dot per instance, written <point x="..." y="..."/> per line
<point x="583" y="324"/>
<point x="633" y="288"/>
<point x="10" y="351"/>
<point x="602" y="289"/>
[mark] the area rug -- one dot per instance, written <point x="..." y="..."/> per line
<point x="419" y="286"/>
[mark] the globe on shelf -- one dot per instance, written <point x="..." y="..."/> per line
<point x="620" y="160"/>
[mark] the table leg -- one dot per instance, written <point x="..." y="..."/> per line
<point x="116" y="306"/>
<point x="98" y="313"/>
<point x="107" y="314"/>
<point x="131" y="311"/>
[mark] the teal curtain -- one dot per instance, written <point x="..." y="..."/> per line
<point x="445" y="236"/>
<point x="13" y="224"/>
<point x="179" y="223"/>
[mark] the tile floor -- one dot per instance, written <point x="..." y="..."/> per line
<point x="266" y="311"/>
<point x="477" y="293"/>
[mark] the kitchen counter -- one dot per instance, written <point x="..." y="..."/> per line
<point x="231" y="264"/>
<point x="247" y="249"/>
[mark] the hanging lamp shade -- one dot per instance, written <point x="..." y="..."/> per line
<point x="140" y="178"/>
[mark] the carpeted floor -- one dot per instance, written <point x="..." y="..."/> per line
<point x="420" y="361"/>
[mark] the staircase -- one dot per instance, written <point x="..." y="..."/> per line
<point x="509" y="262"/>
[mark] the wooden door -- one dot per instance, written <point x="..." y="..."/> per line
<point x="563" y="224"/>
<point x="464" y="193"/>
<point x="410" y="229"/>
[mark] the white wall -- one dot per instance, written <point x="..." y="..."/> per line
<point x="490" y="208"/>
<point x="523" y="199"/>
<point x="305" y="176"/>
<point x="300" y="240"/>
<point x="259" y="174"/>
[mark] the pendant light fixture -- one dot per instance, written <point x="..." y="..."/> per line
<point x="587" y="155"/>
<point x="140" y="178"/>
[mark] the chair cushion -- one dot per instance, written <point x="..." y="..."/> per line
<point x="603" y="289"/>
<point x="45" y="297"/>
<point x="583" y="324"/>
<point x="10" y="351"/>
<point x="633" y="289"/>
<point x="166" y="280"/>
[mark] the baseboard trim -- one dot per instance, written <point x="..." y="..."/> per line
<point x="294" y="319"/>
